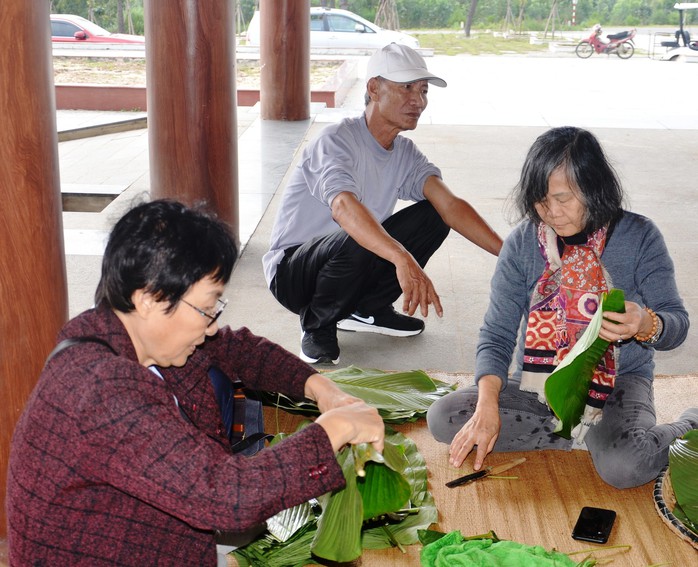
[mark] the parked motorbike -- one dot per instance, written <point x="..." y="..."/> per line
<point x="619" y="43"/>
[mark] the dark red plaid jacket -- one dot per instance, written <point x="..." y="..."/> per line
<point x="105" y="471"/>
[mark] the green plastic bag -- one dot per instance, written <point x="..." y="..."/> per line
<point x="453" y="550"/>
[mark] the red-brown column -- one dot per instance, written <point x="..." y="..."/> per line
<point x="285" y="59"/>
<point x="192" y="123"/>
<point x="33" y="288"/>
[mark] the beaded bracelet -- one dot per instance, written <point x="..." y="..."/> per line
<point x="653" y="331"/>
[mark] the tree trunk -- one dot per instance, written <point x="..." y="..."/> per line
<point x="129" y="19"/>
<point x="471" y="15"/>
<point x="121" y="28"/>
<point x="386" y="16"/>
<point x="519" y="24"/>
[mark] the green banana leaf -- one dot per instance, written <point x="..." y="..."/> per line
<point x="333" y="534"/>
<point x="567" y="386"/>
<point x="372" y="488"/>
<point x="267" y="551"/>
<point x="399" y="397"/>
<point x="380" y="489"/>
<point x="338" y="535"/>
<point x="683" y="465"/>
<point x="410" y="463"/>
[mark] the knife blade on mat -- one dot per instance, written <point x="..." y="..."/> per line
<point x="494" y="470"/>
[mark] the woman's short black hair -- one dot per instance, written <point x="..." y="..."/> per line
<point x="163" y="247"/>
<point x="588" y="169"/>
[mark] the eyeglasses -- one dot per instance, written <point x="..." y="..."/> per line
<point x="220" y="306"/>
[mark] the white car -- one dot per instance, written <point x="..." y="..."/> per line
<point x="341" y="29"/>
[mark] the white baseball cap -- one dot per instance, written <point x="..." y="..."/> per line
<point x="400" y="64"/>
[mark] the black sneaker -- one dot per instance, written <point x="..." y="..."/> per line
<point x="320" y="346"/>
<point x="385" y="322"/>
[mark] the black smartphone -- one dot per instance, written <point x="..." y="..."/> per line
<point x="594" y="524"/>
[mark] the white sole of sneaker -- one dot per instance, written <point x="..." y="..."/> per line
<point x="355" y="326"/>
<point x="321" y="360"/>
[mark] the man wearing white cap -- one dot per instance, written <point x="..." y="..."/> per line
<point x="340" y="256"/>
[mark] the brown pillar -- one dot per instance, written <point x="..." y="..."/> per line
<point x="284" y="53"/>
<point x="33" y="288"/>
<point x="192" y="123"/>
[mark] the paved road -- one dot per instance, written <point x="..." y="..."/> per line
<point x="603" y="91"/>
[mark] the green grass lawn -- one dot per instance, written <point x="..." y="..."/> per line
<point x="479" y="43"/>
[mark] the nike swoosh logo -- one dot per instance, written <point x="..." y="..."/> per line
<point x="367" y="320"/>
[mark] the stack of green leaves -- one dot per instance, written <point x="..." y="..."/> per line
<point x="567" y="386"/>
<point x="399" y="397"/>
<point x="683" y="466"/>
<point x="385" y="503"/>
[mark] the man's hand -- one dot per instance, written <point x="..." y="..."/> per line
<point x="417" y="288"/>
<point x="359" y="223"/>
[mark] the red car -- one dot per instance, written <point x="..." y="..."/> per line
<point x="73" y="29"/>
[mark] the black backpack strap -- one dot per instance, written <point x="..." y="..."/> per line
<point x="256" y="439"/>
<point x="67" y="343"/>
<point x="242" y="417"/>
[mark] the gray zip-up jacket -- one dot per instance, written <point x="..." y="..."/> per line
<point x="638" y="262"/>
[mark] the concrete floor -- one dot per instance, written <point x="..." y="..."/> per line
<point x="477" y="130"/>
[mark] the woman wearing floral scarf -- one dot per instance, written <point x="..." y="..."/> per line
<point x="574" y="243"/>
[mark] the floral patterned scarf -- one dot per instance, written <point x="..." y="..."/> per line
<point x="563" y="302"/>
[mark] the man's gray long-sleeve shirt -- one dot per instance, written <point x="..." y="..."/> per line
<point x="345" y="157"/>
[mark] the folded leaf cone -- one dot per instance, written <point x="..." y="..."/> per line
<point x="340" y="533"/>
<point x="338" y="536"/>
<point x="382" y="490"/>
<point x="567" y="386"/>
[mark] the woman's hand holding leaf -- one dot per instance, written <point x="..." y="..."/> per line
<point x="345" y="418"/>
<point x="326" y="394"/>
<point x="353" y="423"/>
<point x="482" y="429"/>
<point x="624" y="326"/>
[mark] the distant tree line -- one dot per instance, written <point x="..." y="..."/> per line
<point x="127" y="15"/>
<point x="415" y="14"/>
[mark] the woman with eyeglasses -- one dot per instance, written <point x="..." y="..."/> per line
<point x="122" y="455"/>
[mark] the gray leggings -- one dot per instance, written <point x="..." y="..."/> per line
<point x="627" y="447"/>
